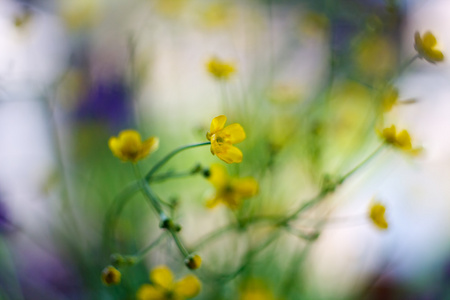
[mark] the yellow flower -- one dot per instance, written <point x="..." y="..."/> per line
<point x="230" y="191"/>
<point x="111" y="276"/>
<point x="376" y="214"/>
<point x="222" y="140"/>
<point x="128" y="146"/>
<point x="220" y="69"/>
<point x="426" y="47"/>
<point x="402" y="140"/>
<point x="164" y="287"/>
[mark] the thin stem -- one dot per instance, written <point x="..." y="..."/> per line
<point x="141" y="254"/>
<point x="179" y="243"/>
<point x="361" y="164"/>
<point x="166" y="158"/>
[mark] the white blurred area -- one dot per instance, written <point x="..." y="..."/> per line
<point x="415" y="191"/>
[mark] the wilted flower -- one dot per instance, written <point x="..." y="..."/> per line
<point x="164" y="287"/>
<point x="222" y="139"/>
<point x="220" y="69"/>
<point x="376" y="214"/>
<point x="426" y="47"/>
<point x="128" y="146"/>
<point x="229" y="190"/>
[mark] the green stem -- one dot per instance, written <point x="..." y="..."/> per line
<point x="179" y="243"/>
<point x="141" y="254"/>
<point x="361" y="164"/>
<point x="166" y="158"/>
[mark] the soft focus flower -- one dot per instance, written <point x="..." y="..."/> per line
<point x="128" y="146"/>
<point x="111" y="276"/>
<point x="426" y="47"/>
<point x="256" y="290"/>
<point x="402" y="140"/>
<point x="193" y="262"/>
<point x="80" y="14"/>
<point x="376" y="214"/>
<point x="164" y="287"/>
<point x="230" y="191"/>
<point x="222" y="139"/>
<point x="220" y="69"/>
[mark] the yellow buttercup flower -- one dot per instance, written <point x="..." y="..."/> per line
<point x="376" y="214"/>
<point x="128" y="146"/>
<point x="426" y="47"/>
<point x="222" y="139"/>
<point x="111" y="276"/>
<point x="402" y="140"/>
<point x="220" y="69"/>
<point x="229" y="190"/>
<point x="164" y="287"/>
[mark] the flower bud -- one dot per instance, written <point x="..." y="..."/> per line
<point x="193" y="262"/>
<point x="111" y="276"/>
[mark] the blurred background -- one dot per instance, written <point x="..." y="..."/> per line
<point x="306" y="87"/>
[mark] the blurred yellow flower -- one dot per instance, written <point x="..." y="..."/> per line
<point x="426" y="47"/>
<point x="230" y="191"/>
<point x="164" y="287"/>
<point x="222" y="139"/>
<point x="111" y="276"/>
<point x="128" y="146"/>
<point x="376" y="214"/>
<point x="402" y="140"/>
<point x="256" y="290"/>
<point x="220" y="69"/>
<point x="79" y="14"/>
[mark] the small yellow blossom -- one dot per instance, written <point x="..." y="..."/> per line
<point x="426" y="47"/>
<point x="128" y="146"/>
<point x="402" y="140"/>
<point x="376" y="214"/>
<point x="111" y="276"/>
<point x="164" y="287"/>
<point x="222" y="139"/>
<point x="193" y="262"/>
<point x="230" y="191"/>
<point x="220" y="69"/>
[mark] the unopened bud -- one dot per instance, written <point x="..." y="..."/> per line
<point x="193" y="262"/>
<point x="111" y="276"/>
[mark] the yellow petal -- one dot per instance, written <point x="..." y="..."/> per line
<point x="418" y="41"/>
<point x="404" y="140"/>
<point x="217" y="124"/>
<point x="435" y="55"/>
<point x="211" y="203"/>
<point x="150" y="292"/>
<point x="187" y="287"/>
<point x="235" y="133"/>
<point x="114" y="145"/>
<point x="218" y="176"/>
<point x="429" y="40"/>
<point x="389" y="134"/>
<point x="246" y="187"/>
<point x="230" y="154"/>
<point x="148" y="146"/>
<point x="376" y="214"/>
<point x="162" y="276"/>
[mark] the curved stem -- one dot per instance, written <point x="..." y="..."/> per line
<point x="166" y="158"/>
